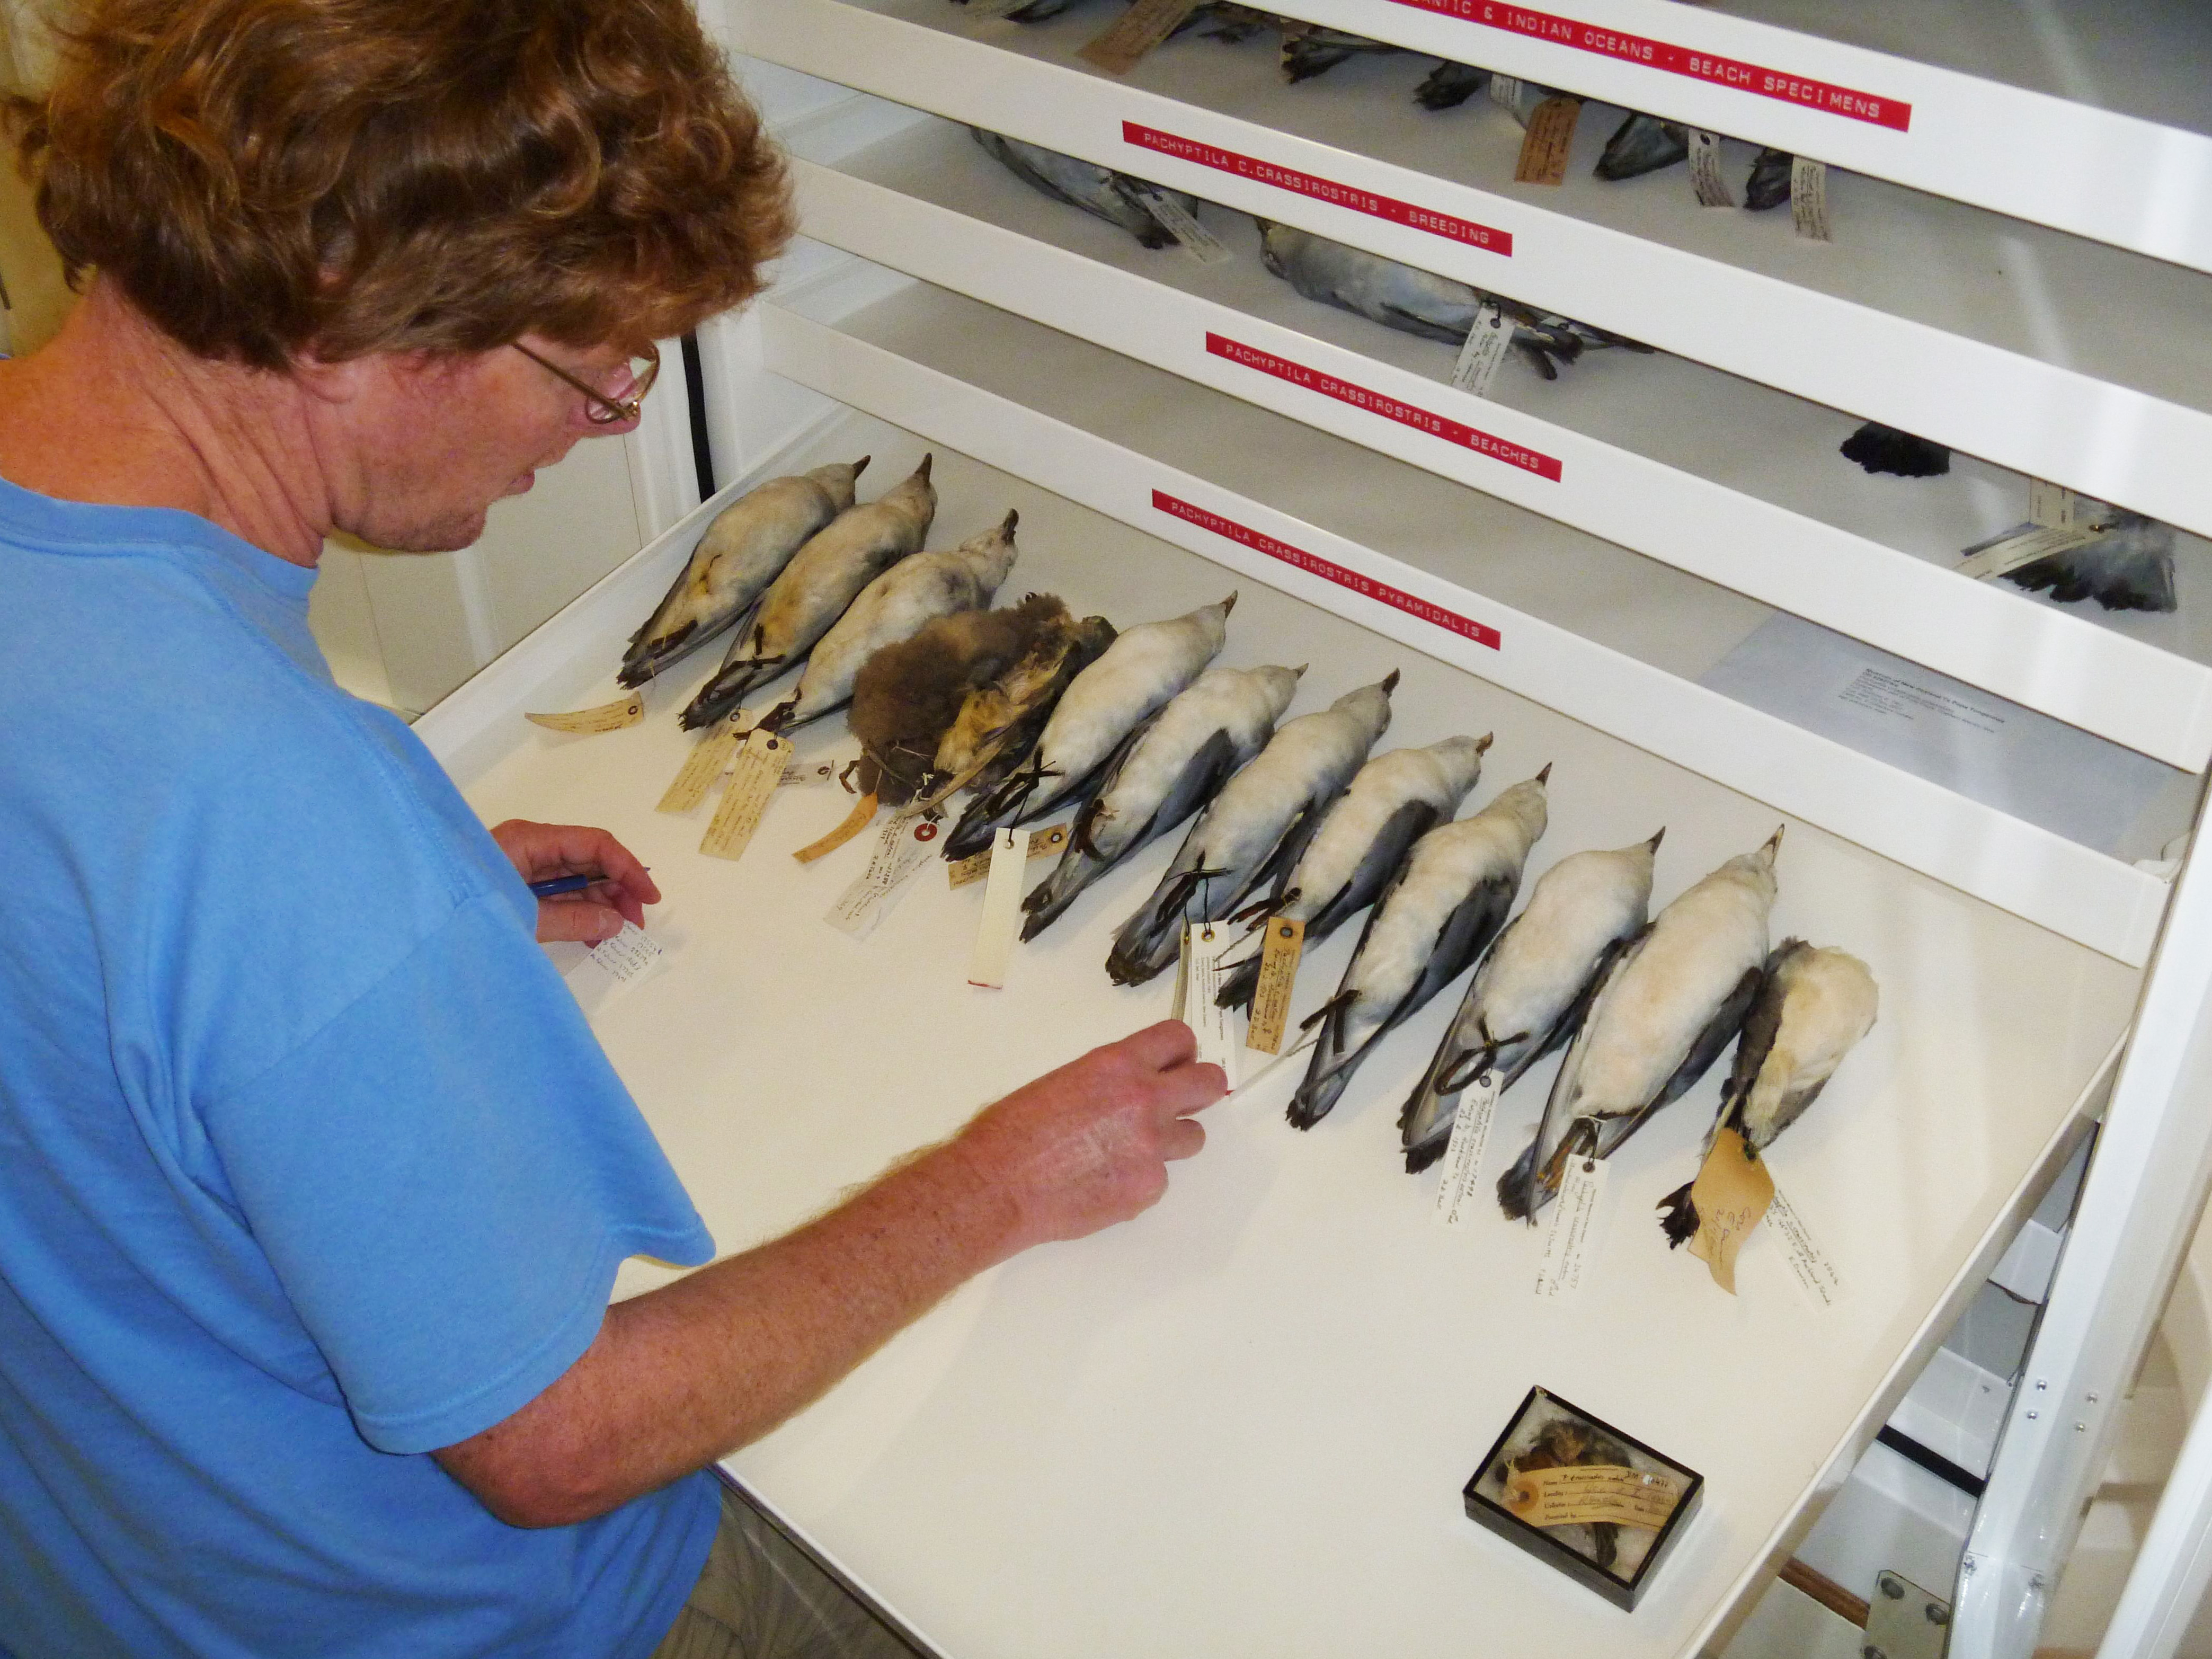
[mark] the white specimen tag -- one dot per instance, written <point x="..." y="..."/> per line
<point x="1487" y="342"/>
<point x="1573" y="1238"/>
<point x="2023" y="544"/>
<point x="1002" y="909"/>
<point x="1202" y="244"/>
<point x="607" y="717"/>
<point x="2052" y="506"/>
<point x="1808" y="198"/>
<point x="902" y="847"/>
<point x="1505" y="92"/>
<point x="1198" y="989"/>
<point x="1459" y="1195"/>
<point x="703" y="768"/>
<point x="1705" y="170"/>
<point x="1815" y="1275"/>
<point x="631" y="954"/>
<point x="806" y="772"/>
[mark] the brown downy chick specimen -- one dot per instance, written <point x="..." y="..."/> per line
<point x="908" y="696"/>
<point x="1000" y="723"/>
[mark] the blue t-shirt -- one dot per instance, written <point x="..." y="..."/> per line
<point x="308" y="1162"/>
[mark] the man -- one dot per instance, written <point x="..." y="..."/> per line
<point x="312" y="1182"/>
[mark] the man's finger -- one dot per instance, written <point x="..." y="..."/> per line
<point x="1181" y="1138"/>
<point x="1159" y="1047"/>
<point x="1192" y="1088"/>
<point x="581" y="920"/>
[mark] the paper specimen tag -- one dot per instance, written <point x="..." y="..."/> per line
<point x="1135" y="33"/>
<point x="902" y="847"/>
<point x="1730" y="1194"/>
<point x="1043" y="844"/>
<point x="1573" y="1238"/>
<point x="607" y="717"/>
<point x="1002" y="909"/>
<point x="1459" y="1196"/>
<point x="709" y="758"/>
<point x="629" y="955"/>
<point x="1505" y="92"/>
<point x="1705" y="170"/>
<point x="806" y="774"/>
<point x="1199" y="988"/>
<point x="2052" y="506"/>
<point x="1487" y="343"/>
<point x="1284" y="942"/>
<point x="1809" y="1267"/>
<point x="758" y="769"/>
<point x="862" y="815"/>
<point x="2023" y="544"/>
<point x="1585" y="1492"/>
<point x="1202" y="244"/>
<point x="1808" y="199"/>
<point x="1545" y="146"/>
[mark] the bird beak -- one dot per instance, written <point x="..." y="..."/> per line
<point x="1544" y="776"/>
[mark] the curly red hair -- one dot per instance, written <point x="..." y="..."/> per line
<point x="262" y="178"/>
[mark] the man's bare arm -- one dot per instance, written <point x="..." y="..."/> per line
<point x="681" y="1376"/>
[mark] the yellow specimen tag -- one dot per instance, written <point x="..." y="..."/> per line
<point x="1279" y="973"/>
<point x="1135" y="33"/>
<point x="759" y="768"/>
<point x="1545" y="145"/>
<point x="1588" y="1492"/>
<point x="1731" y="1193"/>
<point x="709" y="758"/>
<point x="862" y="815"/>
<point x="607" y="717"/>
<point x="1043" y="843"/>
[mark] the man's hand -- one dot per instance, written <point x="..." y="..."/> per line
<point x="1088" y="1144"/>
<point x="543" y="851"/>
<point x="682" y="1375"/>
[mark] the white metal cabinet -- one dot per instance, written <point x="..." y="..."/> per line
<point x="1239" y="1425"/>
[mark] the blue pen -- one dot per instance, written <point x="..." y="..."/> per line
<point x="561" y="885"/>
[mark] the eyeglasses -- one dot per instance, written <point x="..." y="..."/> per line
<point x="599" y="408"/>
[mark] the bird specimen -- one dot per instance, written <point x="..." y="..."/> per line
<point x="744" y="548"/>
<point x="1450" y="897"/>
<point x="1166" y="770"/>
<point x="908" y="696"/>
<point x="1137" y="674"/>
<point x="1393" y="801"/>
<point x="823" y="578"/>
<point x="1662" y="1011"/>
<point x="1532" y="987"/>
<point x="1100" y="191"/>
<point x="1813" y="1007"/>
<point x="1255" y="828"/>
<point x="890" y="609"/>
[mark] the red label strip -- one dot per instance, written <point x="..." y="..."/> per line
<point x="1480" y="633"/>
<point x="1322" y="190"/>
<point x="1821" y="95"/>
<point x="1421" y="420"/>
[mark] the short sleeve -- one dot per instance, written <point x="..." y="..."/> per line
<point x="445" y="1177"/>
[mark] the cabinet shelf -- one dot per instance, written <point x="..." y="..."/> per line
<point x="2087" y="119"/>
<point x="1258" y="1402"/>
<point x="1894" y="322"/>
<point x="1750" y="493"/>
<point x="1584" y="626"/>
